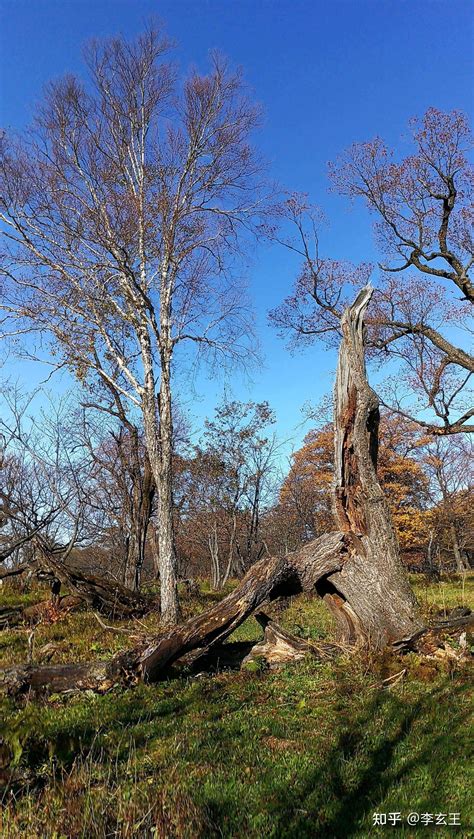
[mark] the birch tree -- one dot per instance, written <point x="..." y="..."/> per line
<point x="124" y="210"/>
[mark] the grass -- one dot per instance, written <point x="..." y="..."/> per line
<point x="311" y="750"/>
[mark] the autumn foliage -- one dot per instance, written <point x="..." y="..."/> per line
<point x="306" y="493"/>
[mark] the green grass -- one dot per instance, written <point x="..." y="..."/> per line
<point x="311" y="750"/>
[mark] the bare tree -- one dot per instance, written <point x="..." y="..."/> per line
<point x="422" y="305"/>
<point x="123" y="211"/>
<point x="229" y="486"/>
<point x="42" y="483"/>
<point x="357" y="570"/>
<point x="122" y="491"/>
<point x="450" y="470"/>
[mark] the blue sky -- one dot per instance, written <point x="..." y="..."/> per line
<point x="327" y="72"/>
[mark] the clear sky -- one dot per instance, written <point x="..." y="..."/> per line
<point x="327" y="72"/>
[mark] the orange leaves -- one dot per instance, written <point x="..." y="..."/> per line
<point x="306" y="493"/>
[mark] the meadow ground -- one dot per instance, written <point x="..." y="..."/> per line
<point x="311" y="750"/>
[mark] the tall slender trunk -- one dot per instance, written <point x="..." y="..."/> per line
<point x="168" y="560"/>
<point x="433" y="571"/>
<point x="131" y="551"/>
<point x="230" y="556"/>
<point x="135" y="556"/>
<point x="213" y="542"/>
<point x="158" y="424"/>
<point x="139" y="510"/>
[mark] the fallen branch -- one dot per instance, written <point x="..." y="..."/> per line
<point x="117" y="629"/>
<point x="267" y="580"/>
<point x="357" y="570"/>
<point x="279" y="646"/>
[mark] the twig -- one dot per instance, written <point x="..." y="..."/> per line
<point x="111" y="628"/>
<point x="395" y="678"/>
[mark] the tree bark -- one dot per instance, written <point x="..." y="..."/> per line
<point x="281" y="647"/>
<point x="267" y="580"/>
<point x="143" y="490"/>
<point x="109" y="598"/>
<point x="357" y="570"/>
<point x="371" y="590"/>
<point x="462" y="564"/>
<point x="159" y="442"/>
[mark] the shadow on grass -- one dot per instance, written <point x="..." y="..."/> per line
<point x="99" y="727"/>
<point x="329" y="804"/>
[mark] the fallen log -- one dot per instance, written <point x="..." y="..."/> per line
<point x="108" y="597"/>
<point x="356" y="570"/>
<point x="99" y="676"/>
<point x="46" y="609"/>
<point x="10" y="616"/>
<point x="267" y="580"/>
<point x="111" y="599"/>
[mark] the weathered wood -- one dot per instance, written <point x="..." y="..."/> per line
<point x="279" y="646"/>
<point x="357" y="571"/>
<point x="266" y="580"/>
<point x="108" y="597"/>
<point x="98" y="676"/>
<point x="10" y="616"/>
<point x="371" y="591"/>
<point x="15" y="615"/>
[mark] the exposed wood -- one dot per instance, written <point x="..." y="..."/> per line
<point x="111" y="598"/>
<point x="375" y="598"/>
<point x="99" y="677"/>
<point x="279" y="646"/>
<point x="108" y="597"/>
<point x="15" y="615"/>
<point x="266" y="580"/>
<point x="10" y="616"/>
<point x="357" y="570"/>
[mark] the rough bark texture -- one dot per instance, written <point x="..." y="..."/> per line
<point x="141" y="500"/>
<point x="371" y="592"/>
<point x="109" y="598"/>
<point x="10" y="616"/>
<point x="168" y="561"/>
<point x="98" y="676"/>
<point x="45" y="610"/>
<point x="356" y="570"/>
<point x="159" y="443"/>
<point x="281" y="647"/>
<point x="266" y="580"/>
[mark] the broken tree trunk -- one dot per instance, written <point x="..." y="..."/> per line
<point x="267" y="580"/>
<point x="371" y="594"/>
<point x="108" y="597"/>
<point x="356" y="570"/>
<point x="45" y="609"/>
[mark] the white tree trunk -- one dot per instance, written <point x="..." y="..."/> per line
<point x="158" y="424"/>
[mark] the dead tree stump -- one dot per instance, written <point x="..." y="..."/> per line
<point x="370" y="596"/>
<point x="357" y="569"/>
